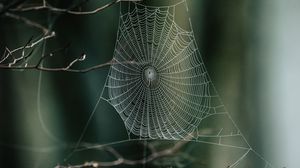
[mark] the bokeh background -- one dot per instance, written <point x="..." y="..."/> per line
<point x="250" y="48"/>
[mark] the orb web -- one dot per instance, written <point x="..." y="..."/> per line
<point x="158" y="84"/>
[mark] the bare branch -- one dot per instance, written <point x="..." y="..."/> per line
<point x="46" y="6"/>
<point x="9" y="60"/>
<point x="121" y="160"/>
<point x="27" y="46"/>
<point x="67" y="68"/>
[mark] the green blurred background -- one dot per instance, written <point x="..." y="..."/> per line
<point x="250" y="48"/>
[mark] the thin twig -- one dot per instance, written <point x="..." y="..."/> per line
<point x="63" y="69"/>
<point x="47" y="6"/>
<point x="27" y="46"/>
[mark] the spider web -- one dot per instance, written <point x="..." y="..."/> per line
<point x="182" y="98"/>
<point x="159" y="86"/>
